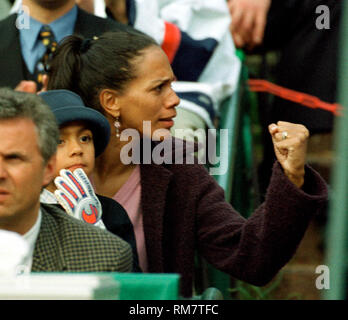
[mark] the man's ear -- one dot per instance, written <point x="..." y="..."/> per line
<point x="109" y="102"/>
<point x="49" y="171"/>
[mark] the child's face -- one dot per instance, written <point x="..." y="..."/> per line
<point x="75" y="148"/>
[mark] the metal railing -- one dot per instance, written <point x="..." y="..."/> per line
<point x="337" y="229"/>
<point x="232" y="118"/>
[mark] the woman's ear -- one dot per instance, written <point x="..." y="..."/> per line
<point x="108" y="101"/>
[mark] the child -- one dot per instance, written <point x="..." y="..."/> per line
<point x="84" y="134"/>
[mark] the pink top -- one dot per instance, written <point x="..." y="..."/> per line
<point x="129" y="196"/>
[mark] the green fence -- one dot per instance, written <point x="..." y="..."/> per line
<point x="237" y="181"/>
<point x="337" y="233"/>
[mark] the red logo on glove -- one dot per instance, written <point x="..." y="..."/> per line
<point x="90" y="218"/>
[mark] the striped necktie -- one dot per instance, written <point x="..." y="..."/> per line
<point x="47" y="38"/>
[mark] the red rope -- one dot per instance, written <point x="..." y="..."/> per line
<point x="257" y="85"/>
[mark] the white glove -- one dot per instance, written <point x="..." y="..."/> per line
<point x="76" y="195"/>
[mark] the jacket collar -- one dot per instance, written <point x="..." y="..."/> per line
<point x="85" y="25"/>
<point x="155" y="180"/>
<point x="153" y="206"/>
<point x="48" y="254"/>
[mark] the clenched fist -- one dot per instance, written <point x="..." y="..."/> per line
<point x="290" y="146"/>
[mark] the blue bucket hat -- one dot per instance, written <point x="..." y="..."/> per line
<point x="67" y="106"/>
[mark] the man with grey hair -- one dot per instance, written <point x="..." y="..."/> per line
<point x="57" y="242"/>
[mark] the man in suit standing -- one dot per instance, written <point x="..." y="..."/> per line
<point x="29" y="37"/>
<point x="57" y="242"/>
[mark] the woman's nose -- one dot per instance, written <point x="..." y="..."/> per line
<point x="173" y="100"/>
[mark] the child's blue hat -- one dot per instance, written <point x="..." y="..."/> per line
<point x="67" y="106"/>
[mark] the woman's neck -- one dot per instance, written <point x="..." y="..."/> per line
<point x="110" y="172"/>
<point x="110" y="161"/>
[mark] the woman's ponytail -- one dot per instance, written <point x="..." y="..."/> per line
<point x="65" y="68"/>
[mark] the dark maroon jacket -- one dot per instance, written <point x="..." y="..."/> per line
<point x="184" y="209"/>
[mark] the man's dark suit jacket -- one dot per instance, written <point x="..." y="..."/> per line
<point x="65" y="244"/>
<point x="12" y="66"/>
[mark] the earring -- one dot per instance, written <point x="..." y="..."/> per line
<point x="117" y="125"/>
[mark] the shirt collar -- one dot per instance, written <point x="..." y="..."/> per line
<point x="61" y="28"/>
<point x="47" y="197"/>
<point x="33" y="233"/>
<point x="64" y="25"/>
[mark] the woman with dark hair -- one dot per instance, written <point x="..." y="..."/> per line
<point x="177" y="209"/>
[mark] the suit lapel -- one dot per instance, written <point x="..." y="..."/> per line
<point x="80" y="25"/>
<point x="153" y="206"/>
<point x="89" y="25"/>
<point x="10" y="53"/>
<point x="48" y="252"/>
<point x="85" y="26"/>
